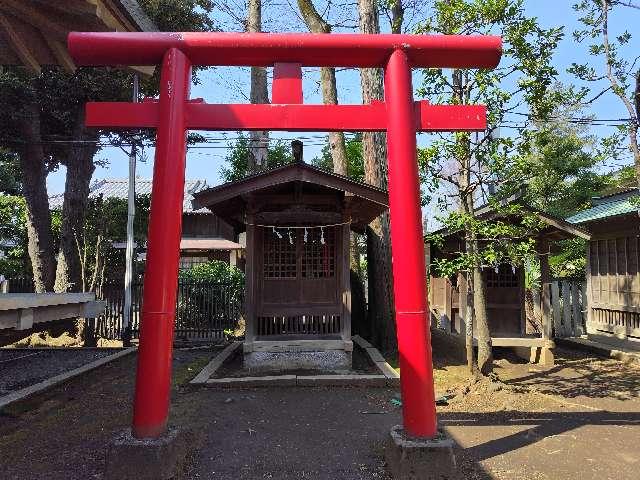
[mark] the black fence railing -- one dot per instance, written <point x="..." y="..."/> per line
<point x="19" y="285"/>
<point x="204" y="310"/>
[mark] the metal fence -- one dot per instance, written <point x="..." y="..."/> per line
<point x="204" y="310"/>
<point x="17" y="285"/>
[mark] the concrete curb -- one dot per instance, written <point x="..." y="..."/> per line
<point x="61" y="378"/>
<point x="299" y="381"/>
<point x="386" y="370"/>
<point x="341" y="380"/>
<point x="217" y="361"/>
<point x="387" y="376"/>
<point x="266" y="381"/>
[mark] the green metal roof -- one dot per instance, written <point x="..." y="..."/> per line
<point x="607" y="207"/>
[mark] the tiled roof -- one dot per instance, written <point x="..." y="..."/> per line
<point x="610" y="206"/>
<point x="118" y="188"/>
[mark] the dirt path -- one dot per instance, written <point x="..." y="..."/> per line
<point x="580" y="421"/>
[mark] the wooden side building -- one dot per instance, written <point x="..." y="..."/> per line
<point x="505" y="287"/>
<point x="613" y="273"/>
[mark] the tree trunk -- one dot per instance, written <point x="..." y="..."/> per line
<point x="316" y="24"/>
<point x="485" y="354"/>
<point x="473" y="315"/>
<point x="469" y="321"/>
<point x="258" y="140"/>
<point x="70" y="276"/>
<point x="479" y="293"/>
<point x="374" y="153"/>
<point x="34" y="180"/>
<point x="397" y="16"/>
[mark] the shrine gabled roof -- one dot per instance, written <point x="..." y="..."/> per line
<point x="555" y="228"/>
<point x="614" y="205"/>
<point x="229" y="200"/>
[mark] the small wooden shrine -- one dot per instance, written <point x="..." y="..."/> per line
<point x="297" y="220"/>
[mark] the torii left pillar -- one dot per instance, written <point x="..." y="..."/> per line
<point x="153" y="385"/>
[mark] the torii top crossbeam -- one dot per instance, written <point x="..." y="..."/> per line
<point x="287" y="53"/>
<point x="265" y="49"/>
<point x="174" y="113"/>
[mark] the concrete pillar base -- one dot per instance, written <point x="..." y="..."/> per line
<point x="129" y="458"/>
<point x="420" y="459"/>
<point x="546" y="357"/>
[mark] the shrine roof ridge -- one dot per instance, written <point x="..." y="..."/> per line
<point x="265" y="49"/>
<point x="376" y="194"/>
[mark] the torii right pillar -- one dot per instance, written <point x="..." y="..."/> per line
<point x="409" y="276"/>
<point x="417" y="450"/>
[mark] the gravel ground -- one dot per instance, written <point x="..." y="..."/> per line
<point x="24" y="367"/>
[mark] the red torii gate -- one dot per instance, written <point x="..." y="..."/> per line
<point x="175" y="113"/>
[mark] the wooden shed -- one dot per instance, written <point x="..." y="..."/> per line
<point x="505" y="289"/>
<point x="613" y="273"/>
<point x="297" y="220"/>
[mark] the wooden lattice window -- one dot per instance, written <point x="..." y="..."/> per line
<point x="506" y="276"/>
<point x="279" y="254"/>
<point x="318" y="259"/>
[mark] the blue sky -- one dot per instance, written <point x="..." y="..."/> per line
<point x="231" y="85"/>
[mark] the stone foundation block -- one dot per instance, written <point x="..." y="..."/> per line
<point x="328" y="360"/>
<point x="420" y="459"/>
<point x="129" y="458"/>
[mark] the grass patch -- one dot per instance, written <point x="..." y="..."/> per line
<point x="185" y="373"/>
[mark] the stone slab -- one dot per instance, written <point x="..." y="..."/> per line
<point x="387" y="370"/>
<point x="129" y="458"/>
<point x="342" y="380"/>
<point x="361" y="342"/>
<point x="374" y="354"/>
<point x="420" y="459"/>
<point x="215" y="364"/>
<point x="266" y="381"/>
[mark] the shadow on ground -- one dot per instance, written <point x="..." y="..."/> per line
<point x="578" y="375"/>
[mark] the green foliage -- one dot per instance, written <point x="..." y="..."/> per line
<point x="237" y="168"/>
<point x="13" y="236"/>
<point x="217" y="272"/>
<point x="606" y="48"/>
<point x="532" y="273"/>
<point x="509" y="238"/>
<point x="524" y="76"/>
<point x="355" y="163"/>
<point x="106" y="223"/>
<point x="215" y="289"/>
<point x="556" y="168"/>
<point x="10" y="182"/>
<point x="180" y="15"/>
<point x="460" y="164"/>
<point x="571" y="261"/>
